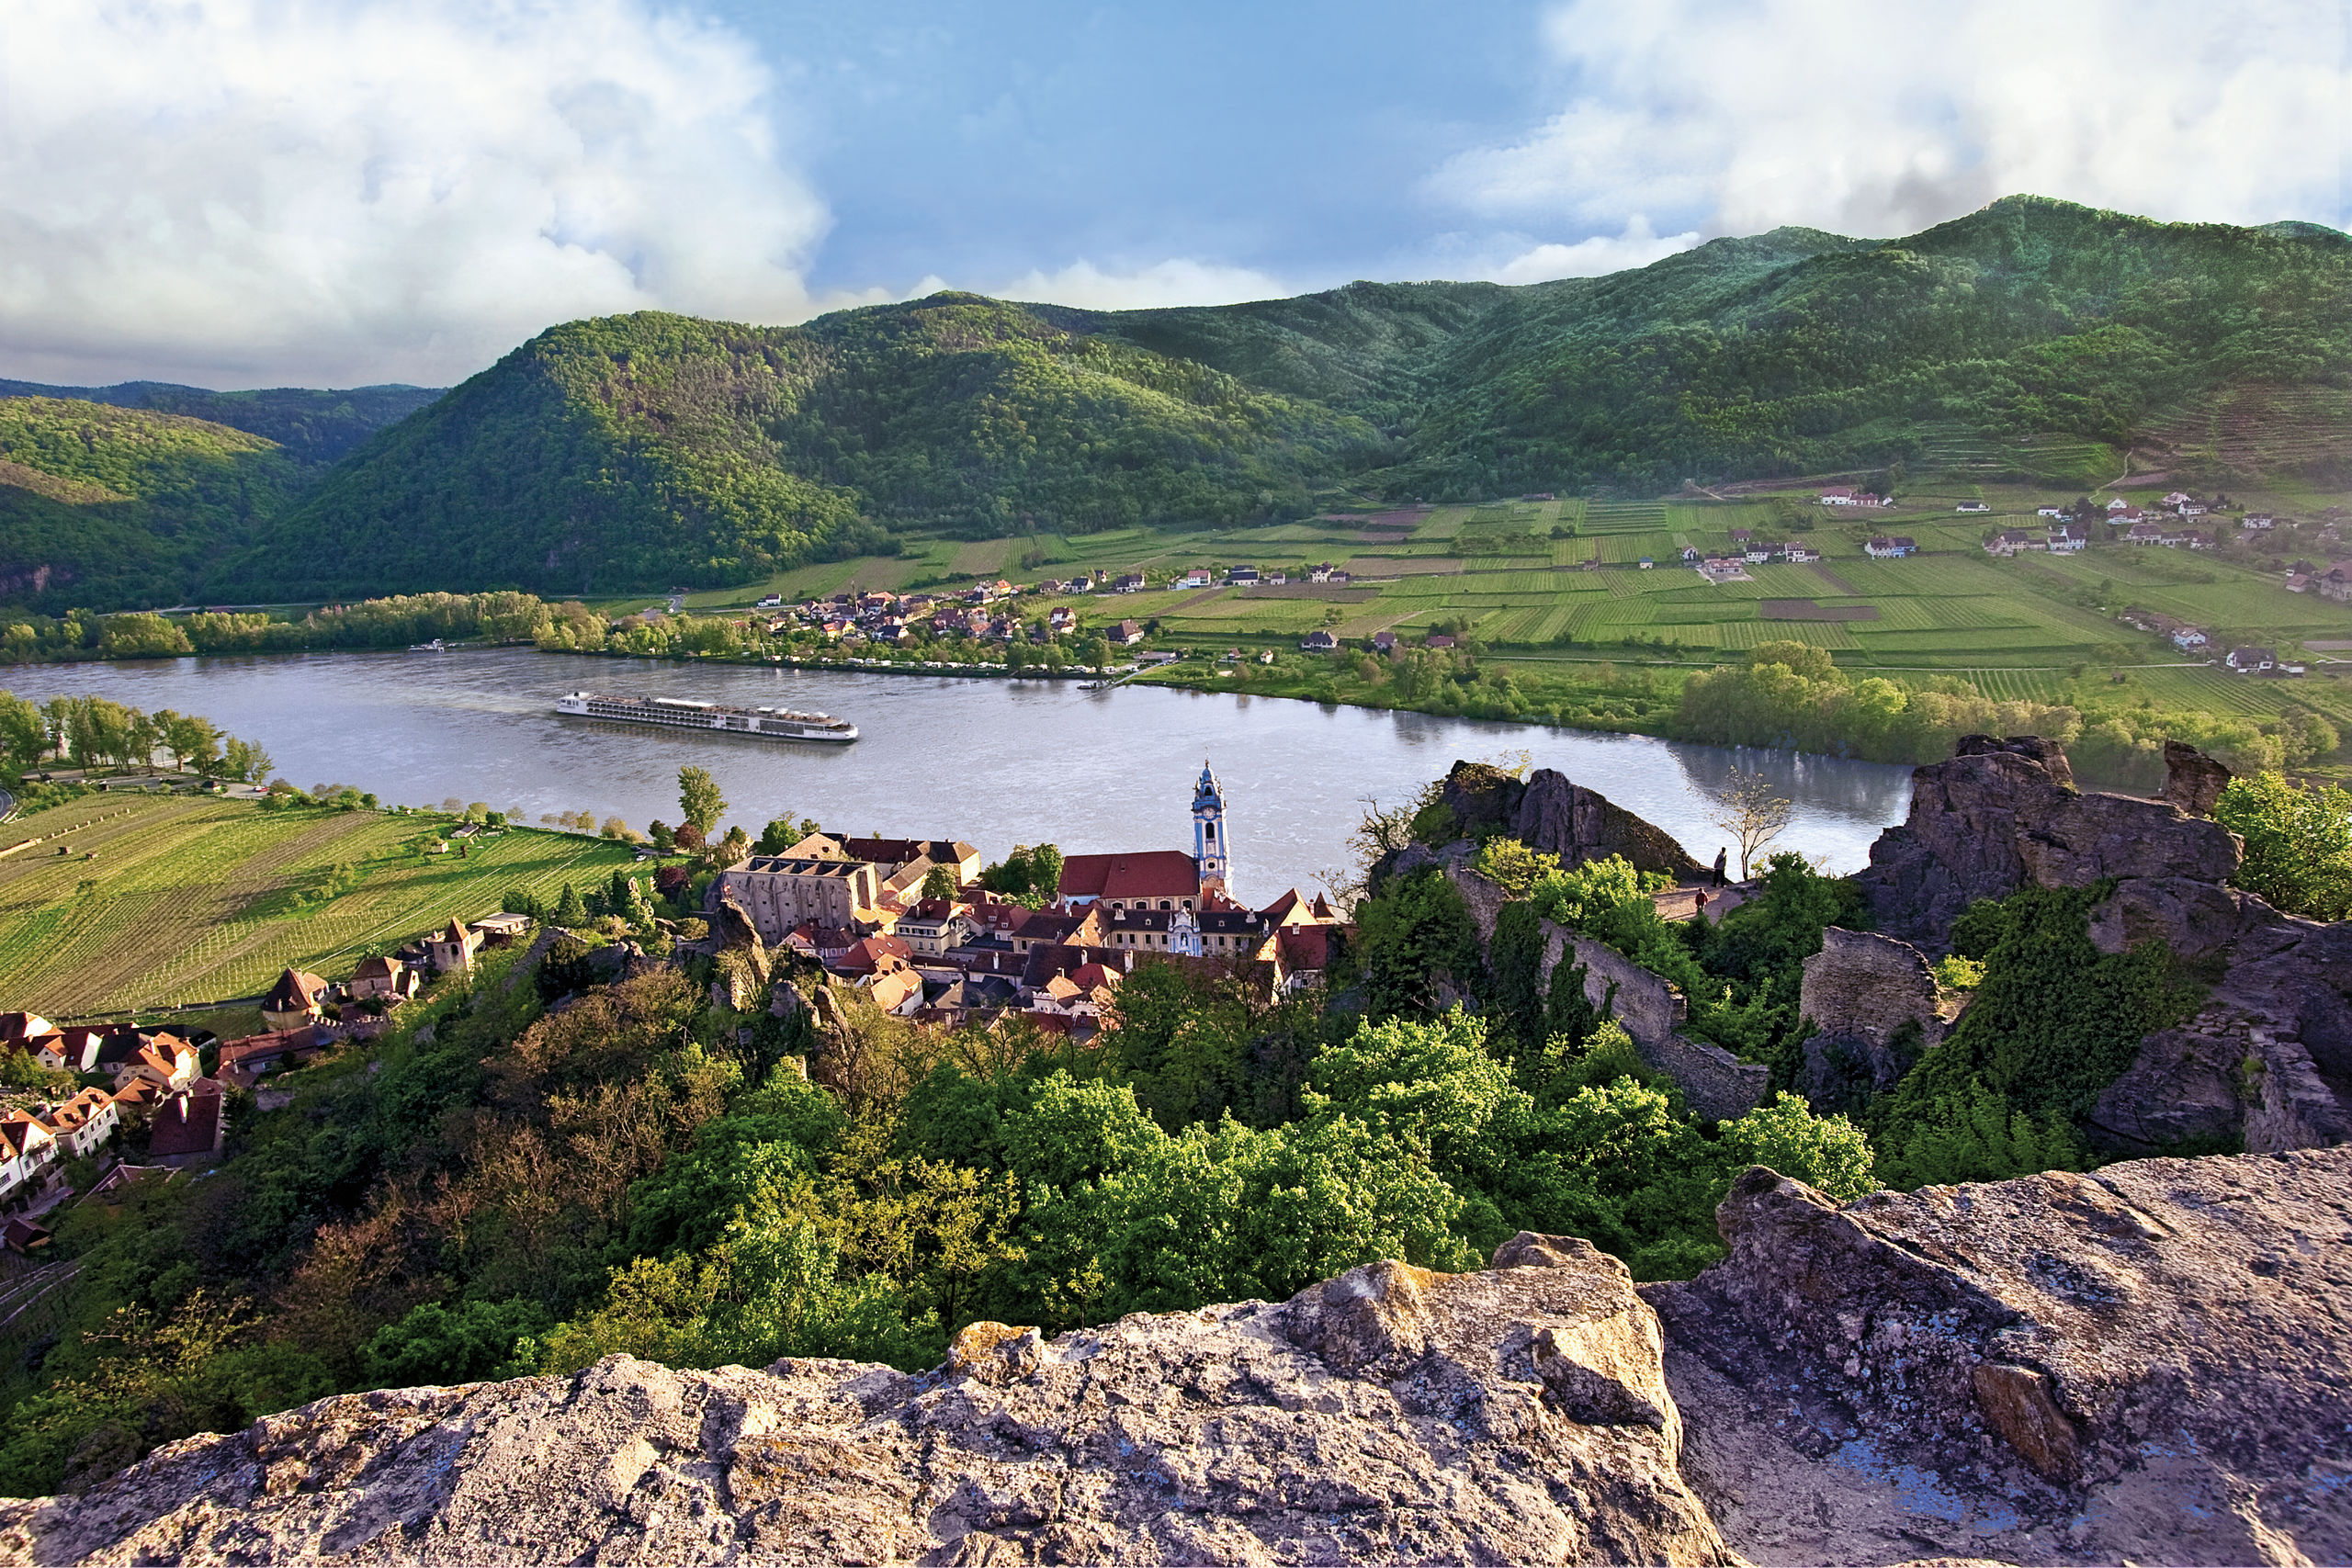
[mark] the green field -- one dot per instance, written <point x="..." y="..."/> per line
<point x="189" y="899"/>
<point x="1549" y="583"/>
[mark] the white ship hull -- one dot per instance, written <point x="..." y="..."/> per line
<point x="673" y="713"/>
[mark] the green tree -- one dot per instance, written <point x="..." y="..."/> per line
<point x="700" y="800"/>
<point x="2297" y="843"/>
<point x="782" y="832"/>
<point x="571" y="910"/>
<point x="940" y="881"/>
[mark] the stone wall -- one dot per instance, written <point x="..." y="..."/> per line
<point x="1719" y="1086"/>
<point x="1874" y="1003"/>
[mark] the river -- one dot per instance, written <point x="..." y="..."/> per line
<point x="994" y="762"/>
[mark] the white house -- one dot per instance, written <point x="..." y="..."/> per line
<point x="27" y="1149"/>
<point x="1199" y="577"/>
<point x="1884" y="546"/>
<point x="2066" y="541"/>
<point x="1974" y="506"/>
<point x="2187" y="637"/>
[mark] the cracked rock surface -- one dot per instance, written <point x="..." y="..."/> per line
<point x="2152" y="1363"/>
<point x="1392" y="1415"/>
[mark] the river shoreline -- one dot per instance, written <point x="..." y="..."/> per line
<point x="995" y="762"/>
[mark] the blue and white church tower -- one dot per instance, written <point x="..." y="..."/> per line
<point x="1209" y="847"/>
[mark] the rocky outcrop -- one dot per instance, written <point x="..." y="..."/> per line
<point x="1389" y="1416"/>
<point x="2149" y="1364"/>
<point x="1548" y="812"/>
<point x="1875" y="1006"/>
<point x="2193" y="781"/>
<point x="2266" y="1059"/>
<point x="2001" y="816"/>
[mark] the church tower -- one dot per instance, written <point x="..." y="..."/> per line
<point x="1209" y="847"/>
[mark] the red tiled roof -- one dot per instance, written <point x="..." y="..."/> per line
<point x="295" y="991"/>
<point x="875" y="954"/>
<point x="186" y="1123"/>
<point x="1306" y="947"/>
<point x="1152" y="874"/>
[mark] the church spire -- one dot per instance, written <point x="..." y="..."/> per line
<point x="1210" y="850"/>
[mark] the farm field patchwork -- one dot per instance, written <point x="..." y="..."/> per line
<point x="191" y="898"/>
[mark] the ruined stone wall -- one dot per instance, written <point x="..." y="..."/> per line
<point x="1868" y="987"/>
<point x="1719" y="1086"/>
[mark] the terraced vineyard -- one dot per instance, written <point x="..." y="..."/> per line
<point x="155" y="902"/>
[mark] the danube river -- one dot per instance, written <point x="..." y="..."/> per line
<point x="995" y="763"/>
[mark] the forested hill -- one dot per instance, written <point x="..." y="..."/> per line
<point x="1800" y="352"/>
<point x="652" y="450"/>
<point x="102" y="507"/>
<point x="312" y="426"/>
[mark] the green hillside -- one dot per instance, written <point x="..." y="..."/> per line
<point x="651" y="450"/>
<point x="2034" y="341"/>
<point x="315" y="427"/>
<point x="103" y="506"/>
<point x="1799" y="352"/>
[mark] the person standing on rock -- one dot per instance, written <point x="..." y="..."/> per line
<point x="1723" y="858"/>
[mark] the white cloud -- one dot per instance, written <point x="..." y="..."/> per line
<point x="1178" y="281"/>
<point x="238" y="192"/>
<point x="1638" y="246"/>
<point x="1881" y="117"/>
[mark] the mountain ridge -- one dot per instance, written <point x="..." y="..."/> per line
<point x="643" y="451"/>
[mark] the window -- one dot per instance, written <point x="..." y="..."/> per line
<point x="1163" y="903"/>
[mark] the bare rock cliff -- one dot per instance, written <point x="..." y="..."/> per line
<point x="1550" y="813"/>
<point x="2152" y="1363"/>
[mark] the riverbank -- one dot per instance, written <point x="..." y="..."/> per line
<point x="996" y="761"/>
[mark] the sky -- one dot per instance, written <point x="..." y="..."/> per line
<point x="242" y="193"/>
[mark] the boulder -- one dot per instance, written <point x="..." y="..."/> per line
<point x="2193" y="781"/>
<point x="1392" y="1415"/>
<point x="2001" y="816"/>
<point x="2146" y="1364"/>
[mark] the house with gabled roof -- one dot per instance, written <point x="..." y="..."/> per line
<point x="189" y="1127"/>
<point x="28" y="1152"/>
<point x="294" y="1000"/>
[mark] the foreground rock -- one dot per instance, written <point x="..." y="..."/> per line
<point x="1391" y="1415"/>
<point x="2152" y="1363"/>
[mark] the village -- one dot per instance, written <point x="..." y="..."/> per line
<point x="903" y="925"/>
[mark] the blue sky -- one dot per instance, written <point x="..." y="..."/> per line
<point x="245" y="193"/>
<point x="990" y="141"/>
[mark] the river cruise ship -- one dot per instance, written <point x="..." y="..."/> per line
<point x="677" y="712"/>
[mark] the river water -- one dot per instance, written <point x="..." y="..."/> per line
<point x="994" y="762"/>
